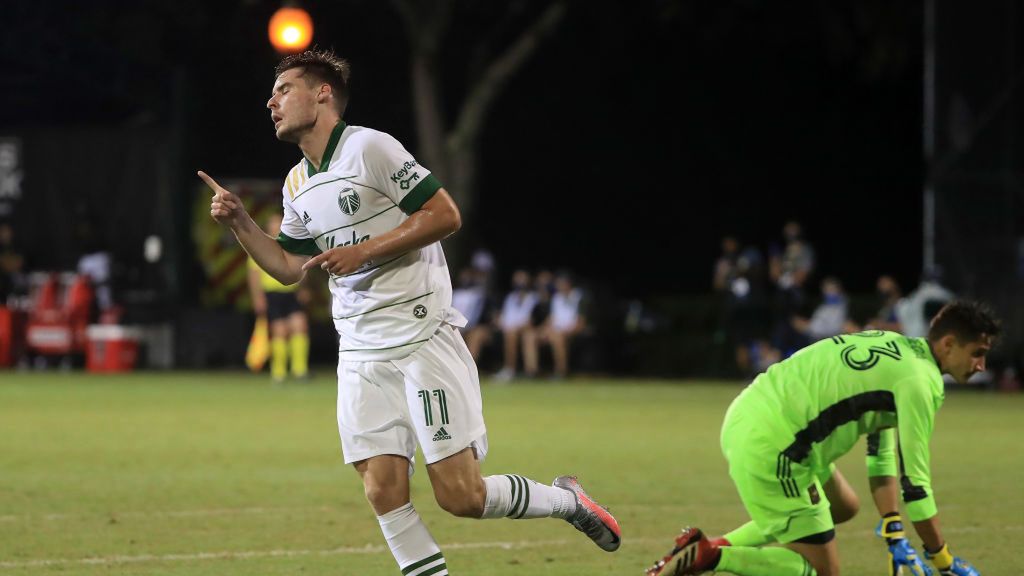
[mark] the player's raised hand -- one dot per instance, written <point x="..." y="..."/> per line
<point x="340" y="261"/>
<point x="225" y="207"/>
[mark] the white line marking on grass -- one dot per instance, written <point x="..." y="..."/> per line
<point x="226" y="555"/>
<point x="971" y="529"/>
<point x="270" y="510"/>
<point x="168" y="514"/>
<point x="342" y="551"/>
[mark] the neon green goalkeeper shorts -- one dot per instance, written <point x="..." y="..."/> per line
<point x="785" y="499"/>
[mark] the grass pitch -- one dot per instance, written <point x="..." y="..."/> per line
<point x="224" y="474"/>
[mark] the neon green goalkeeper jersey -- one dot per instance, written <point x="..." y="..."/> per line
<point x="819" y="402"/>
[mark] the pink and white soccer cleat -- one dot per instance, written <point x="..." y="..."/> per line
<point x="591" y="518"/>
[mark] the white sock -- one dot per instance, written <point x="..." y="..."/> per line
<point x="411" y="544"/>
<point x="513" y="496"/>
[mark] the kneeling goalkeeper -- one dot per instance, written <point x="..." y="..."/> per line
<point x="782" y="434"/>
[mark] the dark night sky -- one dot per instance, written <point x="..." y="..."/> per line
<point x="637" y="136"/>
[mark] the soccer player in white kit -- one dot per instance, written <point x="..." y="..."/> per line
<point x="359" y="206"/>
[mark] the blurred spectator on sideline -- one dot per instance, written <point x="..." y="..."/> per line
<point x="281" y="305"/>
<point x="745" y="317"/>
<point x="563" y="323"/>
<point x="516" y="313"/>
<point x="829" y="318"/>
<point x="920" y="306"/>
<point x="12" y="276"/>
<point x="544" y="288"/>
<point x="97" y="263"/>
<point x="470" y="298"/>
<point x="483" y="262"/>
<point x="790" y="268"/>
<point x="726" y="265"/>
<point x="888" y="316"/>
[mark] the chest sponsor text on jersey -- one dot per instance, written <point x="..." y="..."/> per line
<point x="336" y="241"/>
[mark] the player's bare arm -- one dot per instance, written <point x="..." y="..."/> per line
<point x="437" y="219"/>
<point x="885" y="493"/>
<point x="227" y="209"/>
<point x="929" y="532"/>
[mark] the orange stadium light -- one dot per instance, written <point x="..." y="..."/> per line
<point x="291" y="30"/>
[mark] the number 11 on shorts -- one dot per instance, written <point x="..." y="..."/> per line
<point x="428" y="410"/>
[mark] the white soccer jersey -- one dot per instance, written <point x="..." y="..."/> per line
<point x="565" y="310"/>
<point x="515" y="312"/>
<point x="368" y="185"/>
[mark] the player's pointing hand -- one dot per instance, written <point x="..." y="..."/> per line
<point x="225" y="207"/>
<point x="341" y="260"/>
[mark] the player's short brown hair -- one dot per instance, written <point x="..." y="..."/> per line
<point x="967" y="321"/>
<point x="321" y="66"/>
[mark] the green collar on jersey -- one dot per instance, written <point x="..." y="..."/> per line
<point x="332" y="143"/>
<point x="931" y="354"/>
<point x="935" y="362"/>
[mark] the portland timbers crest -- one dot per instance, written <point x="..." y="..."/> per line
<point x="348" y="201"/>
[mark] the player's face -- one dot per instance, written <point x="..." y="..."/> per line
<point x="964" y="360"/>
<point x="292" y="105"/>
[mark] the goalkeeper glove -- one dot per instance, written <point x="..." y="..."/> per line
<point x="901" y="554"/>
<point x="949" y="565"/>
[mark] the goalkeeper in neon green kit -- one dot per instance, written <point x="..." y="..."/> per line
<point x="782" y="434"/>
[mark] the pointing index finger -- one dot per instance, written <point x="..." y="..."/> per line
<point x="314" y="261"/>
<point x="209" y="181"/>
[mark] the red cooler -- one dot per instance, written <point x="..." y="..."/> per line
<point x="111" y="348"/>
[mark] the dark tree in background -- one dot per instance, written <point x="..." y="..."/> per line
<point x="450" y="144"/>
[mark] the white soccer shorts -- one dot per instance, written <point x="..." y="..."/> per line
<point x="430" y="397"/>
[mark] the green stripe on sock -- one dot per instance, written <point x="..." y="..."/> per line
<point x="525" y="490"/>
<point x="526" y="500"/>
<point x="433" y="570"/>
<point x="516" y="495"/>
<point x="423" y="562"/>
<point x="519" y="500"/>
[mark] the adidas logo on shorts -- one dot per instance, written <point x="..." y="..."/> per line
<point x="442" y="434"/>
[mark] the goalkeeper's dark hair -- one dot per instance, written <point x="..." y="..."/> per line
<point x="967" y="321"/>
<point x="321" y="66"/>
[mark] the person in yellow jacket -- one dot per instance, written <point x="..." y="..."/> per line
<point x="279" y="305"/>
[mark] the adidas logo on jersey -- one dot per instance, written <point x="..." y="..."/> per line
<point x="305" y="218"/>
<point x="442" y="434"/>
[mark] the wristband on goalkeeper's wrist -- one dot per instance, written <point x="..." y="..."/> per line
<point x="941" y="558"/>
<point x="891" y="527"/>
